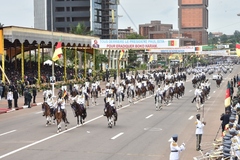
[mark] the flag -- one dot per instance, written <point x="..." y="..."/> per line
<point x="150" y="58"/>
<point x="172" y="43"/>
<point x="112" y="15"/>
<point x="64" y="94"/>
<point x="1" y="42"/>
<point x="58" y="51"/>
<point x="227" y="101"/>
<point x="121" y="54"/>
<point x="238" y="49"/>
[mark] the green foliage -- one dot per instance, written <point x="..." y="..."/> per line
<point x="81" y="29"/>
<point x="99" y="59"/>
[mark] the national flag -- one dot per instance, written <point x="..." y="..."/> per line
<point x="238" y="49"/>
<point x="58" y="51"/>
<point x="172" y="43"/>
<point x="112" y="15"/>
<point x="121" y="54"/>
<point x="150" y="58"/>
<point x="227" y="101"/>
<point x="65" y="93"/>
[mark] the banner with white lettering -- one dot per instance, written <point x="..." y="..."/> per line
<point x="134" y="43"/>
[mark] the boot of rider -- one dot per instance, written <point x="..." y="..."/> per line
<point x="155" y="99"/>
<point x="122" y="96"/>
<point x="132" y="94"/>
<point x="193" y="99"/>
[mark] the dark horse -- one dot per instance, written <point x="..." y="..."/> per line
<point x="59" y="115"/>
<point x="80" y="112"/>
<point x="218" y="82"/>
<point x="48" y="113"/>
<point x="111" y="115"/>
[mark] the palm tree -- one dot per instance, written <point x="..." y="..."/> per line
<point x="81" y="29"/>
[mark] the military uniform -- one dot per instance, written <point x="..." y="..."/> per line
<point x="175" y="149"/>
<point x="199" y="132"/>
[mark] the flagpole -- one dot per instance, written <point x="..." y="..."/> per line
<point x="53" y="78"/>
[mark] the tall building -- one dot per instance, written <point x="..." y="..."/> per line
<point x="98" y="16"/>
<point x="123" y="33"/>
<point x="193" y="20"/>
<point x="155" y="30"/>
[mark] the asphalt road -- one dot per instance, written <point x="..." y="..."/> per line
<point x="141" y="132"/>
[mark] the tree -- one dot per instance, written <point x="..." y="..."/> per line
<point x="224" y="38"/>
<point x="132" y="58"/>
<point x="81" y="29"/>
<point x="100" y="58"/>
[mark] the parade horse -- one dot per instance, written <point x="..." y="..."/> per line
<point x="130" y="95"/>
<point x="167" y="95"/>
<point x="158" y="102"/>
<point x="138" y="92"/>
<point x="194" y="82"/>
<point x="218" y="82"/>
<point x="111" y="115"/>
<point x="119" y="98"/>
<point x="182" y="90"/>
<point x="47" y="113"/>
<point x="150" y="87"/>
<point x="74" y="93"/>
<point x="144" y="91"/>
<point x="59" y="115"/>
<point x="198" y="102"/>
<point x="176" y="91"/>
<point x="79" y="111"/>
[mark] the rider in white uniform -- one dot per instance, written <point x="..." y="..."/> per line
<point x="197" y="92"/>
<point x="159" y="92"/>
<point x="50" y="103"/>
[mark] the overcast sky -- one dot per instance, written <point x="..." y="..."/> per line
<point x="222" y="13"/>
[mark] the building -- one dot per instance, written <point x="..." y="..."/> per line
<point x="123" y="33"/>
<point x="193" y="20"/>
<point x="155" y="30"/>
<point x="98" y="16"/>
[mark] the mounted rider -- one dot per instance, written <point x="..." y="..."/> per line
<point x="159" y="92"/>
<point x="80" y="99"/>
<point x="61" y="102"/>
<point x="130" y="89"/>
<point x="50" y="101"/>
<point x="198" y="92"/>
<point x="110" y="101"/>
<point x="120" y="91"/>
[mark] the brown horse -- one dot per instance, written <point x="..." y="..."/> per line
<point x="59" y="115"/>
<point x="80" y="112"/>
<point x="150" y="88"/>
<point x="48" y="113"/>
<point x="138" y="92"/>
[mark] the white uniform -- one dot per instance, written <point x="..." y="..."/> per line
<point x="197" y="92"/>
<point x="199" y="127"/>
<point x="175" y="150"/>
<point x="50" y="102"/>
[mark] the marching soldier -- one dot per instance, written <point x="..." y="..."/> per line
<point x="175" y="149"/>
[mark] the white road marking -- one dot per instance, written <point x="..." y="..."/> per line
<point x="149" y="116"/>
<point x="190" y="118"/>
<point x="169" y="104"/>
<point x="190" y="91"/>
<point x="214" y="91"/>
<point x="7" y="132"/>
<point x="58" y="134"/>
<point x="117" y="135"/>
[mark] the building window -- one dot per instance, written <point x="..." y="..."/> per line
<point x="59" y="9"/>
<point x="59" y="0"/>
<point x="77" y="9"/>
<point x="68" y="9"/>
<point x="68" y="19"/>
<point x="78" y="19"/>
<point x="60" y="19"/>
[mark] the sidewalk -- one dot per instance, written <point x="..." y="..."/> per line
<point x="39" y="100"/>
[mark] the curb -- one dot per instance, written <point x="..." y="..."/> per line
<point x="6" y="110"/>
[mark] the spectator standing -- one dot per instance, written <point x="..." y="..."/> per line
<point x="28" y="98"/>
<point x="9" y="99"/>
<point x="15" y="97"/>
<point x="34" y="92"/>
<point x="225" y="119"/>
<point x="25" y="96"/>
